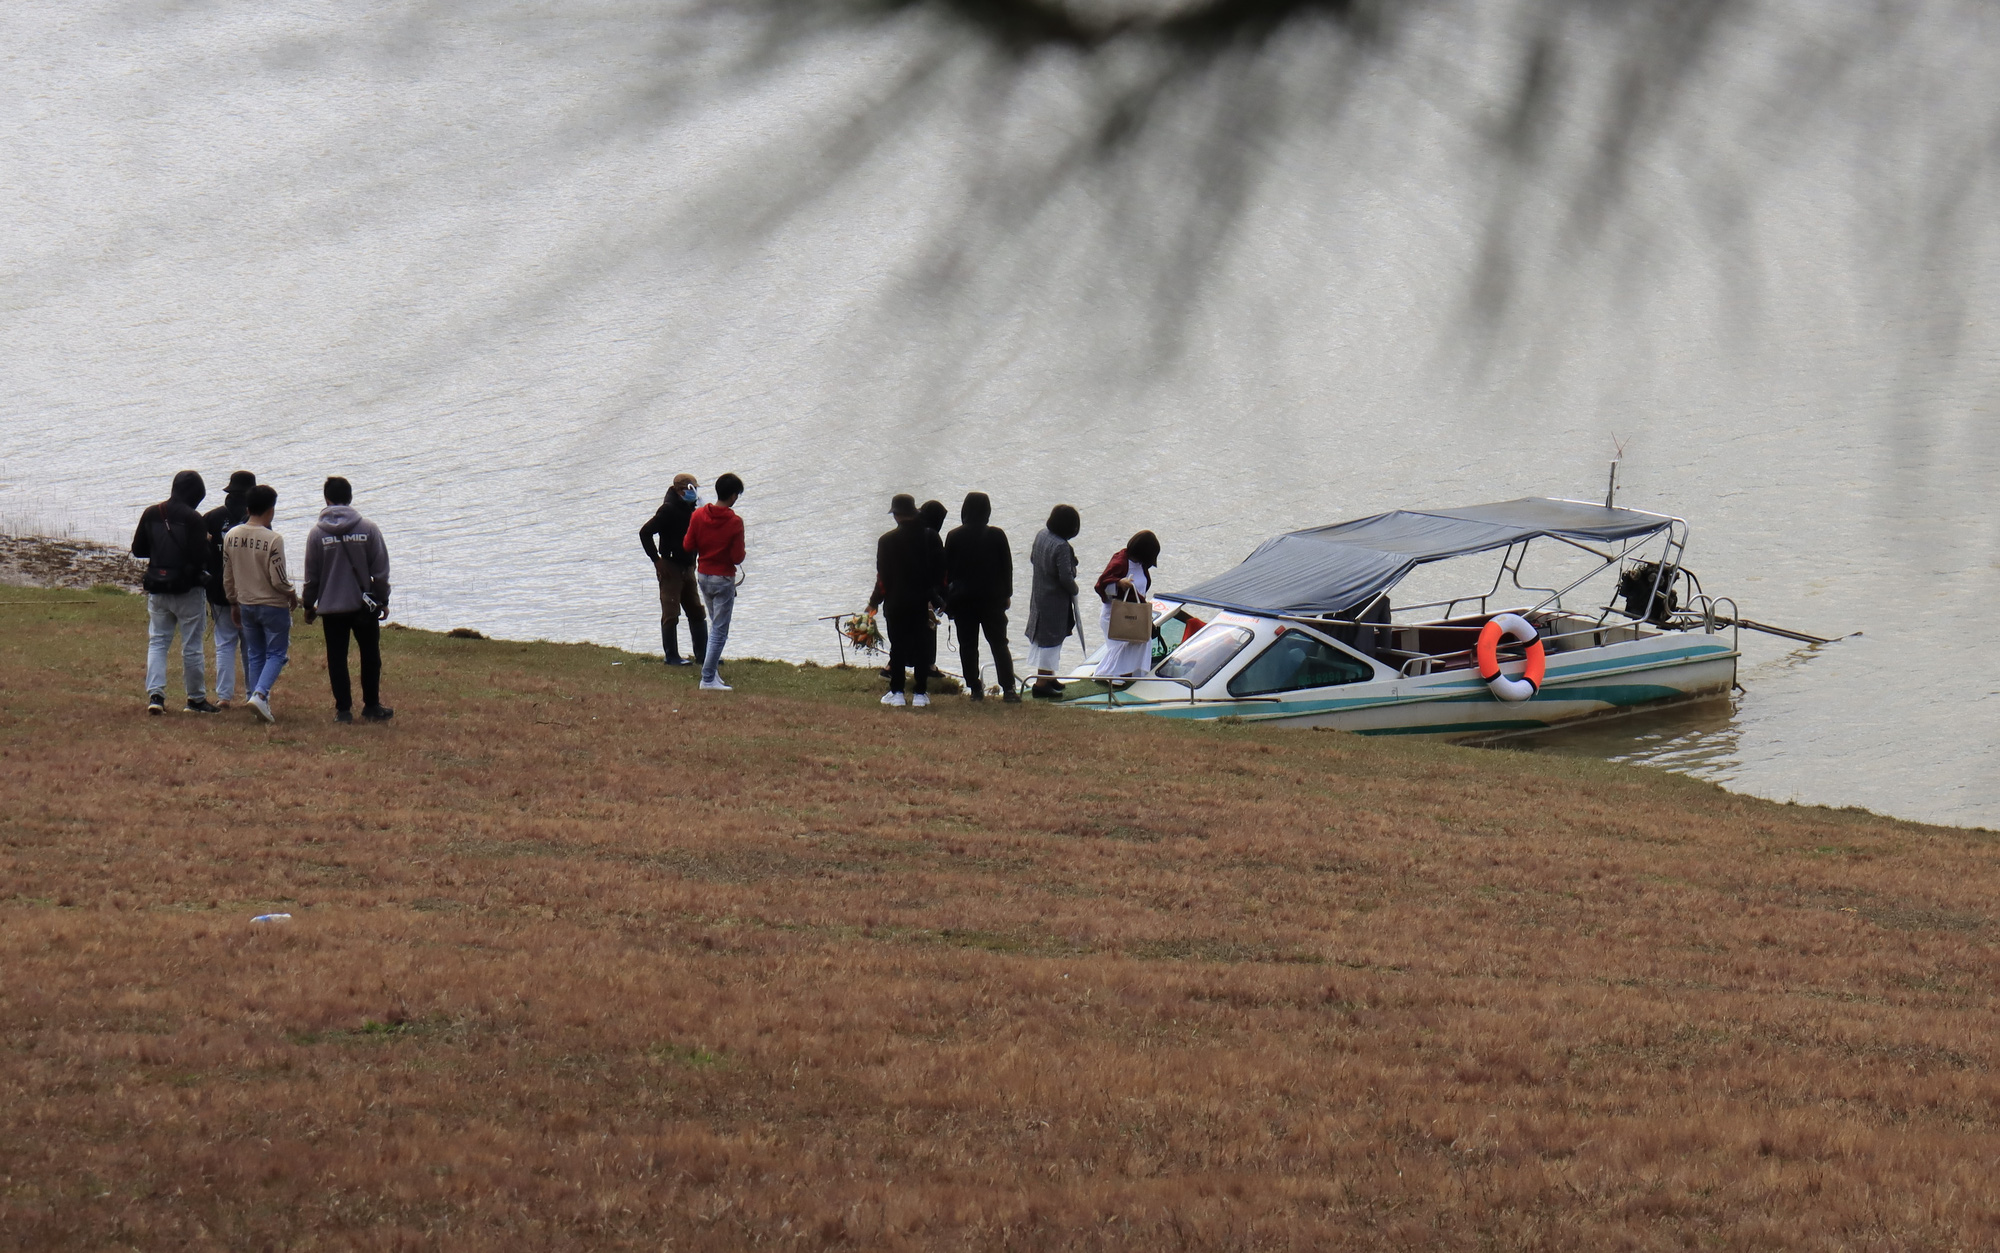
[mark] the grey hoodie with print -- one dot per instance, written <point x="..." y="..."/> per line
<point x="340" y="545"/>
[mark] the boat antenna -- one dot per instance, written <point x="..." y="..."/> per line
<point x="1617" y="455"/>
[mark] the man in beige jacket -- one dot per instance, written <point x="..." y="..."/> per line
<point x="260" y="594"/>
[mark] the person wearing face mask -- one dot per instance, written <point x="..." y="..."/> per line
<point x="232" y="512"/>
<point x="673" y="566"/>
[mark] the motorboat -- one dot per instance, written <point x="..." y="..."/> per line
<point x="1526" y="614"/>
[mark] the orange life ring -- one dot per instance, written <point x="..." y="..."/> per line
<point x="1487" y="656"/>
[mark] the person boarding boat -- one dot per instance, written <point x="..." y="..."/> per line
<point x="1128" y="576"/>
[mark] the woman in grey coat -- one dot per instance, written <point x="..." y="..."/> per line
<point x="1052" y="597"/>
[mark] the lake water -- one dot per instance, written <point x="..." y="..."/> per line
<point x="509" y="266"/>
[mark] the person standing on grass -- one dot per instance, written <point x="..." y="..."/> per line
<point x="260" y="594"/>
<point x="172" y="540"/>
<point x="1052" y="597"/>
<point x="715" y="537"/>
<point x="909" y="576"/>
<point x="230" y="513"/>
<point x="347" y="585"/>
<point x="979" y="589"/>
<point x="673" y="566"/>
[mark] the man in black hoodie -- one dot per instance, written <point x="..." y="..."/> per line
<point x="673" y="566"/>
<point x="172" y="540"/>
<point x="909" y="578"/>
<point x="232" y="512"/>
<point x="979" y="589"/>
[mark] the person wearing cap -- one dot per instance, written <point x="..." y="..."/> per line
<point x="232" y="512"/>
<point x="909" y="577"/>
<point x="673" y="566"/>
<point x="715" y="537"/>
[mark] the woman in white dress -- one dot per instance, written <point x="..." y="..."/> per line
<point x="1128" y="576"/>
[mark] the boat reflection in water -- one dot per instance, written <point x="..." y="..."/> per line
<point x="1698" y="737"/>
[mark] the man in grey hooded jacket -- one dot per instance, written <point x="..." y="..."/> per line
<point x="347" y="585"/>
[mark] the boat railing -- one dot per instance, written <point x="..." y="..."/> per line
<point x="1114" y="684"/>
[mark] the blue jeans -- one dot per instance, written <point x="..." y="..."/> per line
<point x="719" y="591"/>
<point x="189" y="612"/>
<point x="228" y="640"/>
<point x="267" y="640"/>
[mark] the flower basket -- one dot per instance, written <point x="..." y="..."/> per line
<point x="863" y="631"/>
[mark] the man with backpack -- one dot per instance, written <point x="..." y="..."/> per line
<point x="173" y="542"/>
<point x="347" y="585"/>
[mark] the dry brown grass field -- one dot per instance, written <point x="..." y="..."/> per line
<point x="580" y="958"/>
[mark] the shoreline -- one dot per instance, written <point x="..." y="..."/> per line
<point x="70" y="564"/>
<point x="36" y="561"/>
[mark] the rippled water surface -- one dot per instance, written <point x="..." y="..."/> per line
<point x="510" y="266"/>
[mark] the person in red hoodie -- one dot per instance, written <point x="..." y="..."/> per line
<point x="715" y="537"/>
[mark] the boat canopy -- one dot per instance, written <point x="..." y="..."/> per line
<point x="1340" y="568"/>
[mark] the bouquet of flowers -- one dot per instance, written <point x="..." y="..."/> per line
<point x="863" y="631"/>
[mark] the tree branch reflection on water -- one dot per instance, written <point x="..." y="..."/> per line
<point x="1169" y="118"/>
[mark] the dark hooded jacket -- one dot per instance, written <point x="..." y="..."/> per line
<point x="909" y="568"/>
<point x="232" y="512"/>
<point x="669" y="527"/>
<point x="978" y="564"/>
<point x="172" y="540"/>
<point x="344" y="554"/>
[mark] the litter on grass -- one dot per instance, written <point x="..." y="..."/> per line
<point x="272" y="918"/>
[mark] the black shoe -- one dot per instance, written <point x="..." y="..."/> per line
<point x="202" y="707"/>
<point x="675" y="659"/>
<point x="1047" y="693"/>
<point x="1011" y="697"/>
<point x="156" y="704"/>
<point x="975" y="694"/>
<point x="377" y="713"/>
<point x="343" y="715"/>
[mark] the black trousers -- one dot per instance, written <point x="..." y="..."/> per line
<point x="912" y="645"/>
<point x="993" y="622"/>
<point x="367" y="633"/>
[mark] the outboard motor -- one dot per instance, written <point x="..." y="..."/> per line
<point x="1636" y="584"/>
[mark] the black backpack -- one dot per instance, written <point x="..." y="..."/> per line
<point x="182" y="572"/>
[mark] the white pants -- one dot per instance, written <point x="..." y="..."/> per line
<point x="1040" y="658"/>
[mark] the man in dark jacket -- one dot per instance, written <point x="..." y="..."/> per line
<point x="673" y="566"/>
<point x="232" y="512"/>
<point x="979" y="589"/>
<point x="347" y="585"/>
<point x="909" y="580"/>
<point x="172" y="541"/>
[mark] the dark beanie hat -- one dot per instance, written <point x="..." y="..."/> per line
<point x="934" y="514"/>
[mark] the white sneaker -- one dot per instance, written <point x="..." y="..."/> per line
<point x="715" y="685"/>
<point x="922" y="700"/>
<point x="262" y="704"/>
<point x="893" y="698"/>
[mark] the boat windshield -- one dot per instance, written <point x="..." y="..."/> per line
<point x="1210" y="649"/>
